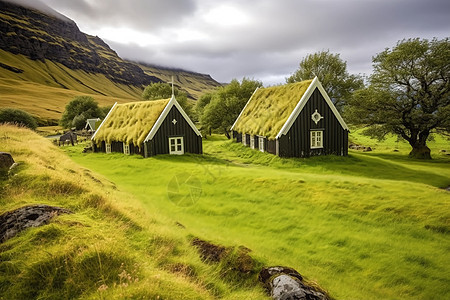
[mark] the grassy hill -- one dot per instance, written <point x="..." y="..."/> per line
<point x="44" y="88"/>
<point x="111" y="247"/>
<point x="372" y="225"/>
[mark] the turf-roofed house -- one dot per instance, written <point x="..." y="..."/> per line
<point x="293" y="120"/>
<point x="148" y="128"/>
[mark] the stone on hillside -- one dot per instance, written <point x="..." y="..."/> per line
<point x="283" y="283"/>
<point x="6" y="160"/>
<point x="13" y="222"/>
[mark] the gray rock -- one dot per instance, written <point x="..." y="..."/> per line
<point x="6" y="160"/>
<point x="286" y="287"/>
<point x="284" y="283"/>
<point x="13" y="222"/>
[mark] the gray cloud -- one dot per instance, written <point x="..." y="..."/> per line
<point x="136" y="14"/>
<point x="271" y="39"/>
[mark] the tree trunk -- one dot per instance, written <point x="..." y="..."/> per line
<point x="227" y="134"/>
<point x="421" y="152"/>
<point x="419" y="146"/>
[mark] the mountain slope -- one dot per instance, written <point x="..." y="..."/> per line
<point x="43" y="55"/>
<point x="41" y="36"/>
<point x="195" y="84"/>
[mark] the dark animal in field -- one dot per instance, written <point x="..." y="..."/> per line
<point x="68" y="136"/>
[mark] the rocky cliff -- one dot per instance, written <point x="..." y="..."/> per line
<point x="43" y="36"/>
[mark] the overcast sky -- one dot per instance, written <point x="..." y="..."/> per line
<point x="259" y="39"/>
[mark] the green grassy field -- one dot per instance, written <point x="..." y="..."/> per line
<point x="371" y="225"/>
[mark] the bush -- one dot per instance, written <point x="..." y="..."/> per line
<point x="79" y="110"/>
<point x="17" y="116"/>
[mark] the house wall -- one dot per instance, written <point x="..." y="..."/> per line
<point x="160" y="142"/>
<point x="296" y="143"/>
<point x="271" y="146"/>
<point x="247" y="140"/>
<point x="118" y="147"/>
<point x="237" y="136"/>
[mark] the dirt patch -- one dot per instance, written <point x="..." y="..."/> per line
<point x="13" y="222"/>
<point x="208" y="251"/>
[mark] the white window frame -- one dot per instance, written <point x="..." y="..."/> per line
<point x="178" y="145"/>
<point x="126" y="149"/>
<point x="252" y="141"/>
<point x="244" y="139"/>
<point x="316" y="138"/>
<point x="261" y="143"/>
<point x="108" y="148"/>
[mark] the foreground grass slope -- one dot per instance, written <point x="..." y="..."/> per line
<point x="367" y="226"/>
<point x="111" y="247"/>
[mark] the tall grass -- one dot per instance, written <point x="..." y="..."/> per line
<point x="367" y="226"/>
<point x="111" y="247"/>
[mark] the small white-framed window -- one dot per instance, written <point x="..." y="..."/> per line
<point x="244" y="139"/>
<point x="176" y="145"/>
<point x="261" y="143"/>
<point x="252" y="142"/>
<point x="126" y="149"/>
<point x="108" y="148"/>
<point x="316" y="139"/>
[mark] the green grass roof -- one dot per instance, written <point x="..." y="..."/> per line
<point x="130" y="122"/>
<point x="269" y="108"/>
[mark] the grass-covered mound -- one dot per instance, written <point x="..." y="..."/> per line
<point x="110" y="247"/>
<point x="130" y="122"/>
<point x="269" y="108"/>
<point x="373" y="225"/>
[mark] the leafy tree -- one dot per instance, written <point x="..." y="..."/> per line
<point x="332" y="73"/>
<point x="161" y="90"/>
<point x="17" y="116"/>
<point x="204" y="100"/>
<point x="79" y="110"/>
<point x="409" y="93"/>
<point x="226" y="103"/>
<point x="105" y="110"/>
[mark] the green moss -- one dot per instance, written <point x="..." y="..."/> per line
<point x="269" y="108"/>
<point x="130" y="122"/>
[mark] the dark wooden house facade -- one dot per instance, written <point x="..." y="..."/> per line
<point x="293" y="120"/>
<point x="148" y="128"/>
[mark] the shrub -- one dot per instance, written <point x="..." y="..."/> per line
<point x="17" y="116"/>
<point x="79" y="110"/>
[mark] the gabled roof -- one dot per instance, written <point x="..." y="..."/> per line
<point x="92" y="123"/>
<point x="162" y="117"/>
<point x="137" y="122"/>
<point x="271" y="111"/>
<point x="130" y="122"/>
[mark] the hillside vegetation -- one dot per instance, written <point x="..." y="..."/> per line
<point x="44" y="88"/>
<point x="111" y="247"/>
<point x="371" y="225"/>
